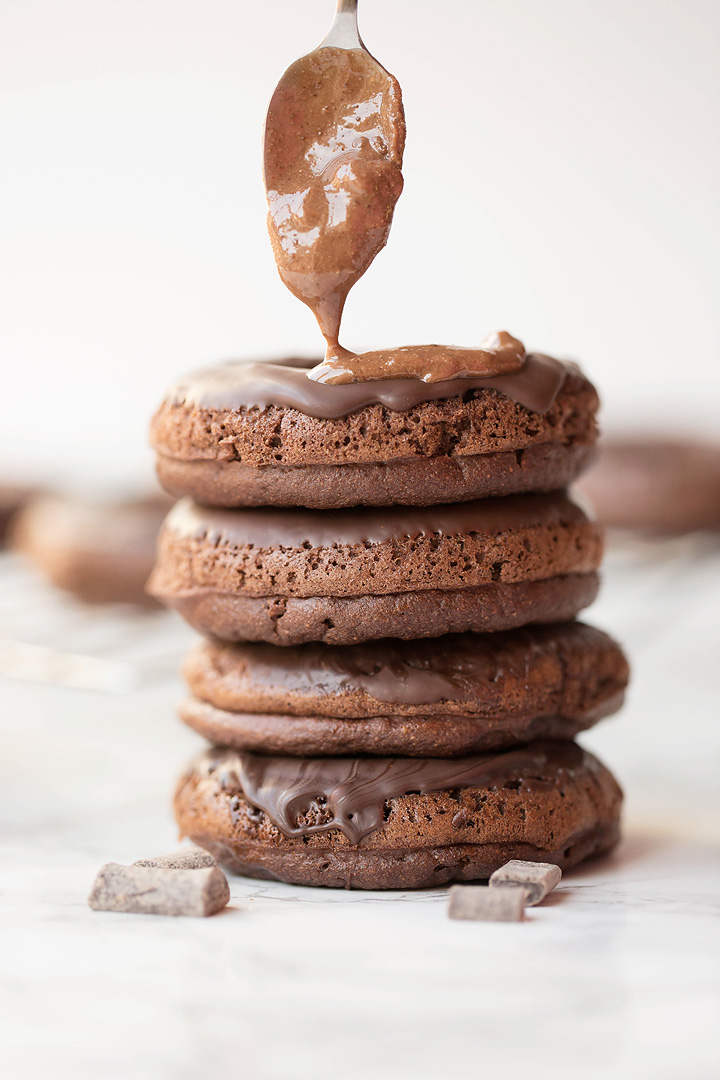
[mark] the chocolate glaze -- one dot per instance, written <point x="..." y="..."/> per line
<point x="499" y="354"/>
<point x="389" y="671"/>
<point x="334" y="139"/>
<point x="456" y="667"/>
<point x="383" y="673"/>
<point x="333" y="148"/>
<point x="238" y="385"/>
<point x="275" y="527"/>
<point x="349" y="793"/>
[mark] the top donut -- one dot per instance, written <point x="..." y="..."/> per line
<point x="264" y="434"/>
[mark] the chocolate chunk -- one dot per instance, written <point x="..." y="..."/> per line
<point x="149" y="890"/>
<point x="481" y="904"/>
<point x="189" y="858"/>
<point x="536" y="879"/>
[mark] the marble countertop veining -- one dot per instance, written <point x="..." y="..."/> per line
<point x="616" y="975"/>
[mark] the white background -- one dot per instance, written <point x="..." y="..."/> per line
<point x="562" y="169"/>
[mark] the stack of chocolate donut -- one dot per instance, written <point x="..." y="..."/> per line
<point x="386" y="575"/>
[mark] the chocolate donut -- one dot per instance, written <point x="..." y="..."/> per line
<point x="287" y="577"/>
<point x="656" y="485"/>
<point x="102" y="552"/>
<point x="13" y="499"/>
<point x="460" y="694"/>
<point x="397" y="823"/>
<point x="266" y="435"/>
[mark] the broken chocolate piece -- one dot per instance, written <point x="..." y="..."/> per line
<point x="537" y="879"/>
<point x="481" y="904"/>
<point x="148" y="890"/>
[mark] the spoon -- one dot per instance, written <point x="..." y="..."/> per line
<point x="334" y="138"/>
<point x="344" y="34"/>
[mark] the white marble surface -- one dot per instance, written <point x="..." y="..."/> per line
<point x="616" y="975"/>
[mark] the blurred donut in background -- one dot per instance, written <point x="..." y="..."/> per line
<point x="13" y="497"/>
<point x="655" y="485"/>
<point x="102" y="552"/>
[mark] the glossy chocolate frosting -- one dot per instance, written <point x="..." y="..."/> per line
<point x="349" y="793"/>
<point x="456" y="667"/>
<point x="410" y="673"/>
<point x="238" y="385"/>
<point x="274" y="527"/>
<point x="499" y="354"/>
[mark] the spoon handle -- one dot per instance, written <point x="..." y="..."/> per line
<point x="343" y="34"/>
